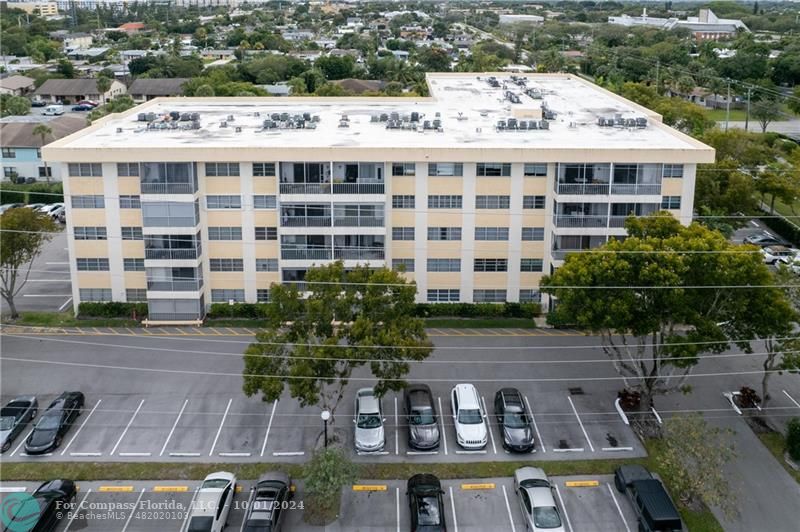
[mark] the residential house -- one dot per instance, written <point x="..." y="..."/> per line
<point x="21" y="154"/>
<point x="143" y="89"/>
<point x="17" y="85"/>
<point x="360" y="86"/>
<point x="74" y="41"/>
<point x="74" y="90"/>
<point x="218" y="54"/>
<point x="132" y="27"/>
<point x="90" y="54"/>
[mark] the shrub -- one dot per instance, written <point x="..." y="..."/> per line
<point x="35" y="193"/>
<point x="238" y="310"/>
<point x="325" y="476"/>
<point x="112" y="309"/>
<point x="478" y="310"/>
<point x="785" y="228"/>
<point x="793" y="438"/>
<point x="11" y="194"/>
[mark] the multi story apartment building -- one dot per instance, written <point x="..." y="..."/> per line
<point x="474" y="192"/>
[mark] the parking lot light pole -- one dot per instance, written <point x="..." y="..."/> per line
<point x="326" y="415"/>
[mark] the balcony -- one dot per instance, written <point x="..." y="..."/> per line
<point x="617" y="222"/>
<point x="358" y="221"/>
<point x="580" y="221"/>
<point x="305" y="188"/>
<point x="582" y="188"/>
<point x="306" y="253"/>
<point x="185" y="285"/>
<point x="306" y="221"/>
<point x="172" y="254"/>
<point x="358" y="254"/>
<point x="358" y="188"/>
<point x="168" y="188"/>
<point x="637" y="189"/>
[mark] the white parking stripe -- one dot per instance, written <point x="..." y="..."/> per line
<point x="62" y="307"/>
<point x="585" y="435"/>
<point x="269" y="427"/>
<point x="219" y="430"/>
<point x="13" y="489"/>
<point x="453" y="506"/>
<point x="133" y="417"/>
<point x="441" y="418"/>
<point x="397" y="499"/>
<point x="21" y="443"/>
<point x="621" y="516"/>
<point x="164" y="448"/>
<point x="396" y="429"/>
<point x="188" y="511"/>
<point x="508" y="508"/>
<point x="564" y="509"/>
<point x="791" y="398"/>
<point x="289" y="453"/>
<point x="488" y="425"/>
<point x="77" y="509"/>
<point x="535" y="426"/>
<point x="134" y="454"/>
<point x="128" y="521"/>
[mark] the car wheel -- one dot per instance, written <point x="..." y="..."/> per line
<point x="6" y="446"/>
<point x="618" y="484"/>
<point x="57" y="442"/>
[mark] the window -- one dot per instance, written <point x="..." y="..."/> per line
<point x="444" y="295"/>
<point x="533" y="233"/>
<point x="403" y="265"/>
<point x="535" y="170"/>
<point x="671" y="202"/>
<point x="88" y="202"/>
<point x="492" y="202"/>
<point x="262" y="295"/>
<point x="95" y="294"/>
<point x="673" y="170"/>
<point x="220" y="295"/>
<point x="85" y="169"/>
<point x="224" y="202"/>
<point x="266" y="233"/>
<point x="89" y="233"/>
<point x="489" y="296"/>
<point x="222" y="169"/>
<point x="446" y="169"/>
<point x="403" y="202"/>
<point x="10" y="171"/>
<point x="129" y="202"/>
<point x="262" y="169"/>
<point x="132" y="233"/>
<point x="444" y="265"/>
<point x="133" y="265"/>
<point x="493" y="169"/>
<point x="530" y="265"/>
<point x="226" y="265"/>
<point x="444" y="233"/>
<point x="401" y="169"/>
<point x="92" y="265"/>
<point x="9" y="153"/>
<point x="127" y="169"/>
<point x="45" y="171"/>
<point x="266" y="265"/>
<point x="264" y="202"/>
<point x="402" y="233"/>
<point x="491" y="233"/>
<point x="530" y="296"/>
<point x="491" y="265"/>
<point x="533" y="202"/>
<point x="444" y="202"/>
<point x="136" y="294"/>
<point x="224" y="233"/>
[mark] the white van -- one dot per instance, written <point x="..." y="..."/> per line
<point x="53" y="110"/>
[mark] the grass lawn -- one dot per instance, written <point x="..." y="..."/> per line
<point x="738" y="115"/>
<point x="785" y="210"/>
<point x="774" y="441"/>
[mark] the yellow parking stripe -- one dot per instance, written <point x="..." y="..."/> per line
<point x="171" y="488"/>
<point x="115" y="488"/>
<point x="239" y="488"/>
<point x="582" y="483"/>
<point x="482" y="486"/>
<point x="370" y="487"/>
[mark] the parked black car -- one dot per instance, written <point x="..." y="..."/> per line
<point x="426" y="504"/>
<point x="423" y="429"/>
<point x="51" y="498"/>
<point x="54" y="423"/>
<point x="268" y="503"/>
<point x="654" y="509"/>
<point x="514" y="420"/>
<point x="14" y="417"/>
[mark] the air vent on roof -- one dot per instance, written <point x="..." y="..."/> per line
<point x="223" y="124"/>
<point x="119" y="130"/>
<point x="238" y="129"/>
<point x="514" y="124"/>
<point x="511" y="97"/>
<point x="231" y="118"/>
<point x="256" y="114"/>
<point x="534" y="93"/>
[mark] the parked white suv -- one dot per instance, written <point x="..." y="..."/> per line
<point x="210" y="509"/>
<point x="469" y="417"/>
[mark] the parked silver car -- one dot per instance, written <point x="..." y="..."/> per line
<point x="368" y="420"/>
<point x="536" y="500"/>
<point x="14" y="417"/>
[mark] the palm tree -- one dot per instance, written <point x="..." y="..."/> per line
<point x="43" y="130"/>
<point x="103" y="84"/>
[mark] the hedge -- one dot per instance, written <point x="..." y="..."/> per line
<point x="34" y="193"/>
<point x="479" y="310"/>
<point x="238" y="310"/>
<point x="793" y="438"/>
<point x="785" y="228"/>
<point x="112" y="310"/>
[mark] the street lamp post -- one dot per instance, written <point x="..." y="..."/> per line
<point x="326" y="415"/>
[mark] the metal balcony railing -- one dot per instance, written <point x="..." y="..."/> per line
<point x="186" y="285"/>
<point x="305" y="254"/>
<point x="637" y="189"/>
<point x="305" y="188"/>
<point x="358" y="221"/>
<point x="306" y="221"/>
<point x="582" y="188"/>
<point x="358" y="254"/>
<point x="617" y="221"/>
<point x="358" y="188"/>
<point x="171" y="254"/>
<point x="168" y="188"/>
<point x="584" y="220"/>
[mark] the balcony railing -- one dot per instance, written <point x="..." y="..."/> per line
<point x="358" y="254"/>
<point x="187" y="285"/>
<point x="174" y="316"/>
<point x="306" y="221"/>
<point x="637" y="189"/>
<point x="617" y="221"/>
<point x="358" y="188"/>
<point x="168" y="188"/>
<point x="170" y="221"/>
<point x="582" y="188"/>
<point x="305" y="254"/>
<point x="358" y="221"/>
<point x="305" y="188"/>
<point x="586" y="220"/>
<point x="171" y="254"/>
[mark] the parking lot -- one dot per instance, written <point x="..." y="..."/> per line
<point x="587" y="504"/>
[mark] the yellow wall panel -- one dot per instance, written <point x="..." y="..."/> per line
<point x="130" y="218"/>
<point x="403" y="185"/>
<point x="534" y="186"/>
<point x="444" y="280"/>
<point x="128" y="185"/>
<point x="223" y="185"/>
<point x="493" y="186"/>
<point x="265" y="185"/>
<point x="91" y="249"/>
<point x="444" y="185"/>
<point x="672" y="187"/>
<point x="86" y="185"/>
<point x="94" y="279"/>
<point x="498" y="280"/>
<point x="224" y="250"/>
<point x="224" y="218"/>
<point x="135" y="280"/>
<point x="133" y="249"/>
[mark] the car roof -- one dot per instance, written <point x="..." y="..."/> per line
<point x="652" y="493"/>
<point x="529" y="472"/>
<point x="541" y="496"/>
<point x="420" y="396"/>
<point x="421" y="481"/>
<point x="220" y="475"/>
<point x="367" y="402"/>
<point x="467" y="394"/>
<point x="274" y="476"/>
<point x="777" y="248"/>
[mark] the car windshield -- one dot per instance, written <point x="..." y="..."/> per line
<point x="546" y="517"/>
<point x="200" y="524"/>
<point x="368" y="421"/>
<point x="469" y="417"/>
<point x="6" y="423"/>
<point x="428" y="511"/>
<point x="213" y="483"/>
<point x="422" y="416"/>
<point x="515" y="420"/>
<point x="49" y="422"/>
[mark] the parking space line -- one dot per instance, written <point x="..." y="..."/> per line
<point x="508" y="509"/>
<point x="460" y="451"/>
<point x="568" y="450"/>
<point x="86" y="454"/>
<point x="791" y="398"/>
<point x="189" y="510"/>
<point x="535" y="426"/>
<point x="416" y="453"/>
<point x="135" y="506"/>
<point x="289" y="453"/>
<point x="488" y="425"/>
<point x="396" y="429"/>
<point x="133" y="417"/>
<point x="13" y="489"/>
<point x="613" y="449"/>
<point x="134" y="454"/>
<point x="77" y="510"/>
<point x="21" y="443"/>
<point x="62" y="307"/>
<point x="185" y="455"/>
<point x="172" y="430"/>
<point x="269" y="426"/>
<point x="564" y="509"/>
<point x="441" y="419"/>
<point x="619" y="510"/>
<point x="219" y="430"/>
<point x="397" y="506"/>
<point x="453" y="506"/>
<point x="234" y="455"/>
<point x="81" y="427"/>
<point x="585" y="435"/>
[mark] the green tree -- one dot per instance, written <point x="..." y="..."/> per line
<point x="66" y="68"/>
<point x="336" y="67"/>
<point x="326" y="474"/>
<point x="723" y="189"/>
<point x="43" y="131"/>
<point x="765" y="111"/>
<point x="693" y="460"/>
<point x="639" y="295"/>
<point x="103" y="85"/>
<point x="121" y="103"/>
<point x="781" y="183"/>
<point x="14" y="105"/>
<point x="330" y="89"/>
<point x="204" y="90"/>
<point x="793" y="438"/>
<point x="433" y="59"/>
<point x="370" y="311"/>
<point x="23" y="232"/>
<point x="794" y="102"/>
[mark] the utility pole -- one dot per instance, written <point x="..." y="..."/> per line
<point x="728" y="106"/>
<point x="747" y="116"/>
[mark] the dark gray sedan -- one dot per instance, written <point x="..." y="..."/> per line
<point x="423" y="428"/>
<point x="54" y="423"/>
<point x="514" y="420"/>
<point x="14" y="417"/>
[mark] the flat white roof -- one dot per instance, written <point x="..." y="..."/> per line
<point x="467" y="105"/>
